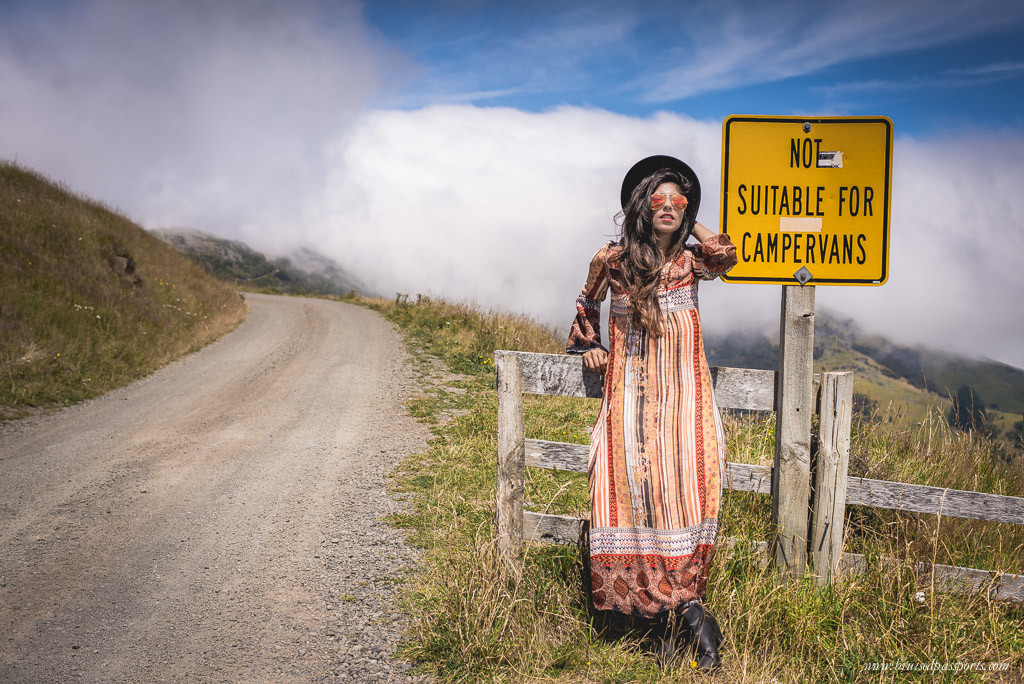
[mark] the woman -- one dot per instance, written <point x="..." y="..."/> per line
<point x="657" y="450"/>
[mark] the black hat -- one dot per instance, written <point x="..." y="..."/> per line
<point x="645" y="167"/>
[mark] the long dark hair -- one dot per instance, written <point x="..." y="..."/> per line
<point x="639" y="259"/>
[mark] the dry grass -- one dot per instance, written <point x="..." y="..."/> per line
<point x="74" y="322"/>
<point x="891" y="446"/>
<point x="476" y="620"/>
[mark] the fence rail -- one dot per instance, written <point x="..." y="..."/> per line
<point x="562" y="529"/>
<point x="735" y="388"/>
<point x="860" y="491"/>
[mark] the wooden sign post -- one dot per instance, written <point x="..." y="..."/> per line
<point x="806" y="202"/>
<point x="795" y="405"/>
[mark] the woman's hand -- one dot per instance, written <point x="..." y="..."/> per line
<point x="596" y="360"/>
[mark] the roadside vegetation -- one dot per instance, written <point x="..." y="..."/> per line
<point x="89" y="301"/>
<point x="476" y="620"/>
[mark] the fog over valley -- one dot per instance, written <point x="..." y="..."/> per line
<point x="314" y="125"/>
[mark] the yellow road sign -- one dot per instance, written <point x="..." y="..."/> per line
<point x="807" y="199"/>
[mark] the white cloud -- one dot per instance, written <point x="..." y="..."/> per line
<point x="505" y="208"/>
<point x="213" y="115"/>
<point x="495" y="205"/>
<point x="957" y="235"/>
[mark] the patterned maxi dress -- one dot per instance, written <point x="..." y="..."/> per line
<point x="657" y="451"/>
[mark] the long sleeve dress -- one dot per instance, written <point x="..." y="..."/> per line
<point x="657" y="450"/>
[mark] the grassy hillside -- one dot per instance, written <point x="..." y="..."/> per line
<point x="916" y="380"/>
<point x="89" y="301"/>
<point x="474" y="619"/>
<point x="1000" y="387"/>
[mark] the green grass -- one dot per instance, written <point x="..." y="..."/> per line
<point x="74" y="323"/>
<point x="475" y="619"/>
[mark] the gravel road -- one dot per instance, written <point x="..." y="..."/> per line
<point x="220" y="520"/>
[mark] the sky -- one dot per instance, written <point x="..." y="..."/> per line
<point x="474" y="150"/>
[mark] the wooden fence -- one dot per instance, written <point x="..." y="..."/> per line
<point x="735" y="388"/>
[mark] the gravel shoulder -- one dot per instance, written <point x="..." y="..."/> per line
<point x="220" y="520"/>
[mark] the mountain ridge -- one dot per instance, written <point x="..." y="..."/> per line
<point x="919" y="377"/>
<point x="304" y="271"/>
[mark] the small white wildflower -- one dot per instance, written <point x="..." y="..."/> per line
<point x="919" y="597"/>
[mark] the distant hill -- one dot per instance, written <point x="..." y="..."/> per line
<point x="916" y="376"/>
<point x="304" y="272"/>
<point x="90" y="301"/>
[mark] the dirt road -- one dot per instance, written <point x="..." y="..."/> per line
<point x="219" y="520"/>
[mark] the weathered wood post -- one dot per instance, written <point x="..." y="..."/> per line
<point x="830" y="466"/>
<point x="794" y="406"/>
<point x="511" y="454"/>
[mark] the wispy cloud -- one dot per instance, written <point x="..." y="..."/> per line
<point x="738" y="44"/>
<point x="652" y="55"/>
<point x="950" y="78"/>
<point x="546" y="48"/>
<point x="998" y="69"/>
<point x="451" y="95"/>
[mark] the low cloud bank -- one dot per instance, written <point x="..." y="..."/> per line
<point x="505" y="208"/>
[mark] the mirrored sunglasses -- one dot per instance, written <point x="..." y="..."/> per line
<point x="658" y="200"/>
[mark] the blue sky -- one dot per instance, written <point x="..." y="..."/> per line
<point x="935" y="68"/>
<point x="474" y="150"/>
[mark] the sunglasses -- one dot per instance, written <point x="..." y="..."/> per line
<point x="658" y="200"/>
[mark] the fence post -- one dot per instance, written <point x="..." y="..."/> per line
<point x="511" y="454"/>
<point x="830" y="466"/>
<point x="791" y="485"/>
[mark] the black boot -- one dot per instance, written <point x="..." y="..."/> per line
<point x="707" y="636"/>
